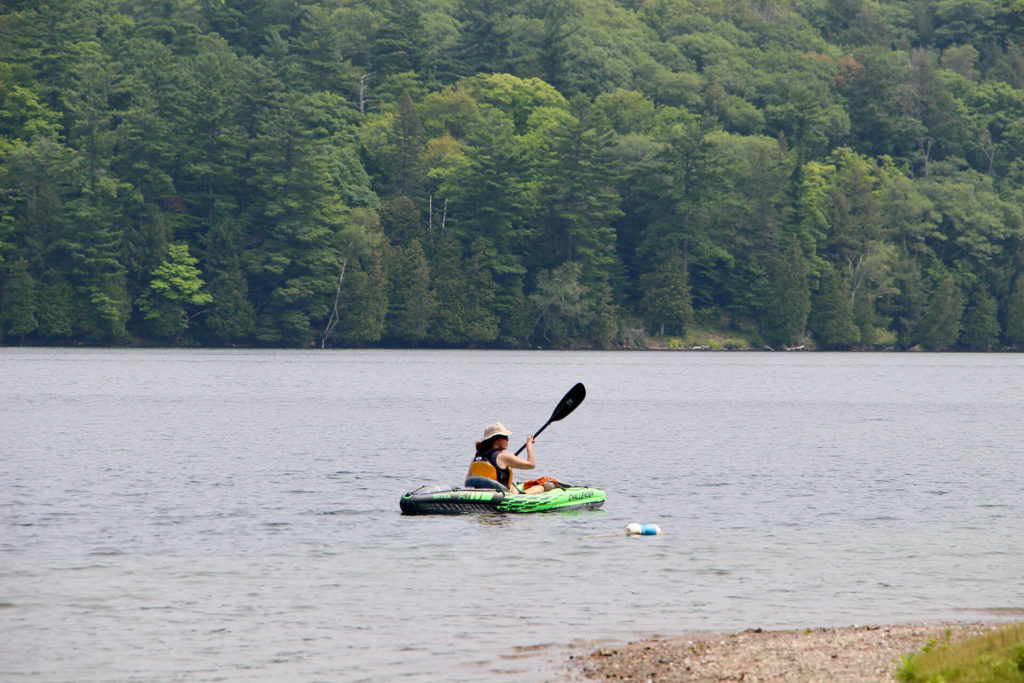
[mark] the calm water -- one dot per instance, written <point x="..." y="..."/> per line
<point x="202" y="515"/>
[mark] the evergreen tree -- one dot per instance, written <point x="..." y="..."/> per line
<point x="407" y="140"/>
<point x="365" y="306"/>
<point x="980" y="322"/>
<point x="867" y="320"/>
<point x="907" y="305"/>
<point x="55" y="309"/>
<point x="579" y="201"/>
<point x="832" y="317"/>
<point x="1015" y="314"/>
<point x="482" y="327"/>
<point x="465" y="295"/>
<point x="18" y="309"/>
<point x="449" y="281"/>
<point x="231" y="318"/>
<point x="941" y="324"/>
<point x="604" y="317"/>
<point x="492" y="196"/>
<point x="666" y="301"/>
<point x="789" y="299"/>
<point x="411" y="302"/>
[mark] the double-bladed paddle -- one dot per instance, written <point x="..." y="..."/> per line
<point x="572" y="398"/>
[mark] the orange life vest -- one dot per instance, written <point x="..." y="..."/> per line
<point x="483" y="465"/>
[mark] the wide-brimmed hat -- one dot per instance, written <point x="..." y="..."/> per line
<point x="496" y="429"/>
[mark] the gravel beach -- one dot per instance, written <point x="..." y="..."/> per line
<point x="852" y="654"/>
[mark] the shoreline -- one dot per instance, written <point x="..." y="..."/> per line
<point x="845" y="654"/>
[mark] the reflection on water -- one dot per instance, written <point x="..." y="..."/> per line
<point x="234" y="515"/>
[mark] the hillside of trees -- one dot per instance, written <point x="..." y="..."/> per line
<point x="846" y="174"/>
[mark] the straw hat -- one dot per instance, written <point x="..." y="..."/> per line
<point x="496" y="429"/>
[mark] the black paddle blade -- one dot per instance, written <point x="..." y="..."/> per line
<point x="569" y="402"/>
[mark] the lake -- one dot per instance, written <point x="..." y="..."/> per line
<point x="171" y="515"/>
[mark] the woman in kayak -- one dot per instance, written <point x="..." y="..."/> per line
<point x="493" y="461"/>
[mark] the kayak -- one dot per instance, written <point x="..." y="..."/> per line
<point x="448" y="500"/>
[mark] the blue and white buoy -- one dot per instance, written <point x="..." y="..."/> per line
<point x="633" y="529"/>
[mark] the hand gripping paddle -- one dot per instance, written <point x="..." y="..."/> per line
<point x="573" y="398"/>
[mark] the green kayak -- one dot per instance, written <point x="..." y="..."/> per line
<point x="447" y="500"/>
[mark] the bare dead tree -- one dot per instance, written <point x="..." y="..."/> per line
<point x="364" y="101"/>
<point x="335" y="318"/>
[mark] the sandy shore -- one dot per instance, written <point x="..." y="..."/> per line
<point x="853" y="654"/>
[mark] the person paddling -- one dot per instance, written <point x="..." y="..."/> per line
<point x="493" y="461"/>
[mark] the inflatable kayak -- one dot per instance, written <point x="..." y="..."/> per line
<point x="448" y="500"/>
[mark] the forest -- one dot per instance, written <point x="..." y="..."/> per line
<point x="828" y="174"/>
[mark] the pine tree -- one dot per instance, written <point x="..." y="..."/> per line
<point x="365" y="305"/>
<point x="666" y="302"/>
<point x="832" y="312"/>
<point x="940" y="326"/>
<point x="1015" y="314"/>
<point x="907" y="306"/>
<point x="411" y="301"/>
<point x="482" y="323"/>
<point x="55" y="309"/>
<point x="604" y="316"/>
<point x="980" y="322"/>
<point x="18" y="310"/>
<point x="231" y="318"/>
<point x="789" y="299"/>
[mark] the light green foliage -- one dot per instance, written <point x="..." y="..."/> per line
<point x="175" y="293"/>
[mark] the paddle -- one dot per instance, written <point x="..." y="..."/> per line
<point x="573" y="398"/>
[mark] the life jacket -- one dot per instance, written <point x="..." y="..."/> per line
<point x="486" y="465"/>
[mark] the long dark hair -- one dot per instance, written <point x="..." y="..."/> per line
<point x="485" y="445"/>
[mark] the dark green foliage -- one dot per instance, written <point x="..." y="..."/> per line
<point x="465" y="293"/>
<point x="832" y="312"/>
<point x="666" y="302"/>
<point x="18" y="317"/>
<point x="55" y="308"/>
<point x="411" y="302"/>
<point x="1015" y="314"/>
<point x="518" y="173"/>
<point x="789" y="297"/>
<point x="231" y="317"/>
<point x="980" y="322"/>
<point x="365" y="303"/>
<point x="941" y="324"/>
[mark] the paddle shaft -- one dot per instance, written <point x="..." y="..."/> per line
<point x="569" y="402"/>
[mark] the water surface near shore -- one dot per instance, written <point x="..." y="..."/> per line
<point x="169" y="515"/>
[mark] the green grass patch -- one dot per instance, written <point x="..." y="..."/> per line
<point x="995" y="657"/>
<point x="705" y="337"/>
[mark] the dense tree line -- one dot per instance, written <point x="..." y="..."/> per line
<point x="559" y="173"/>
